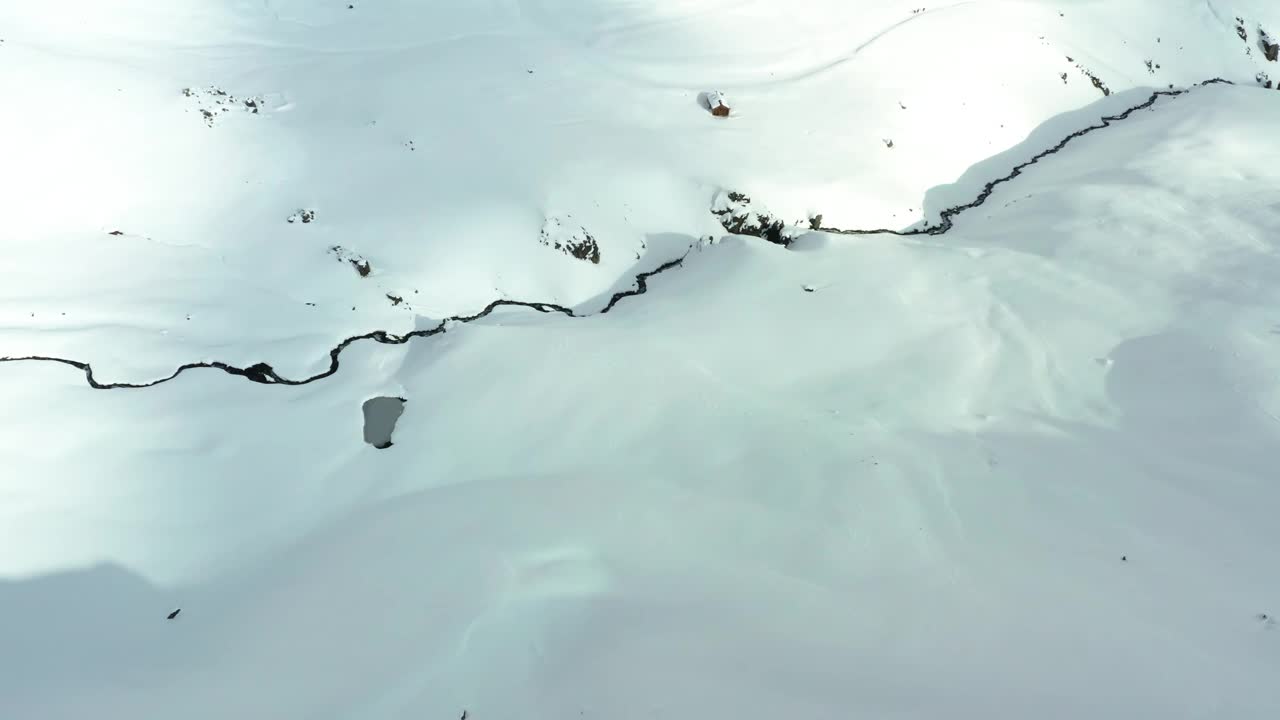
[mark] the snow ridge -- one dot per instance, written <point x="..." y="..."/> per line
<point x="947" y="216"/>
<point x="263" y="373"/>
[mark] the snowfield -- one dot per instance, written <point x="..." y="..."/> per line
<point x="1023" y="468"/>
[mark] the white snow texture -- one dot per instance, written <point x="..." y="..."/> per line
<point x="1024" y="468"/>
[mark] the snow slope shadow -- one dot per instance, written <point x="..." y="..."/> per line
<point x="265" y="374"/>
<point x="105" y="625"/>
<point x="659" y="247"/>
<point x="975" y="186"/>
<point x="1155" y="544"/>
<point x="1179" y="391"/>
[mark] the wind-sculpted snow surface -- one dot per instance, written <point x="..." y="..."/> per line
<point x="1012" y="456"/>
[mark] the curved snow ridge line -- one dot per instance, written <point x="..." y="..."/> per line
<point x="946" y="218"/>
<point x="264" y="374"/>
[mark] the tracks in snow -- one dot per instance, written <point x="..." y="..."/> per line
<point x="264" y="374"/>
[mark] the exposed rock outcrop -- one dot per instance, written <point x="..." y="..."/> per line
<point x="569" y="239"/>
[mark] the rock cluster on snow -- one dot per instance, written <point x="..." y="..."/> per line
<point x="737" y="216"/>
<point x="1266" y="43"/>
<point x="304" y="216"/>
<point x="357" y="261"/>
<point x="570" y="239"/>
<point x="213" y="102"/>
<point x="1269" y="47"/>
<point x="1094" y="79"/>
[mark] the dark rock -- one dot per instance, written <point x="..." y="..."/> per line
<point x="1270" y="48"/>
<point x="358" y="262"/>
<point x="738" y="217"/>
<point x="558" y="233"/>
<point x="260" y="373"/>
<point x="1099" y="84"/>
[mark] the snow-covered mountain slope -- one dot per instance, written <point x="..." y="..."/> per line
<point x="436" y="141"/>
<point x="1021" y="469"/>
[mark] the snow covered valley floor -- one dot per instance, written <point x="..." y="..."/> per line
<point x="1011" y="462"/>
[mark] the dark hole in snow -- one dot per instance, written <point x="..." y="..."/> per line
<point x="380" y="417"/>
